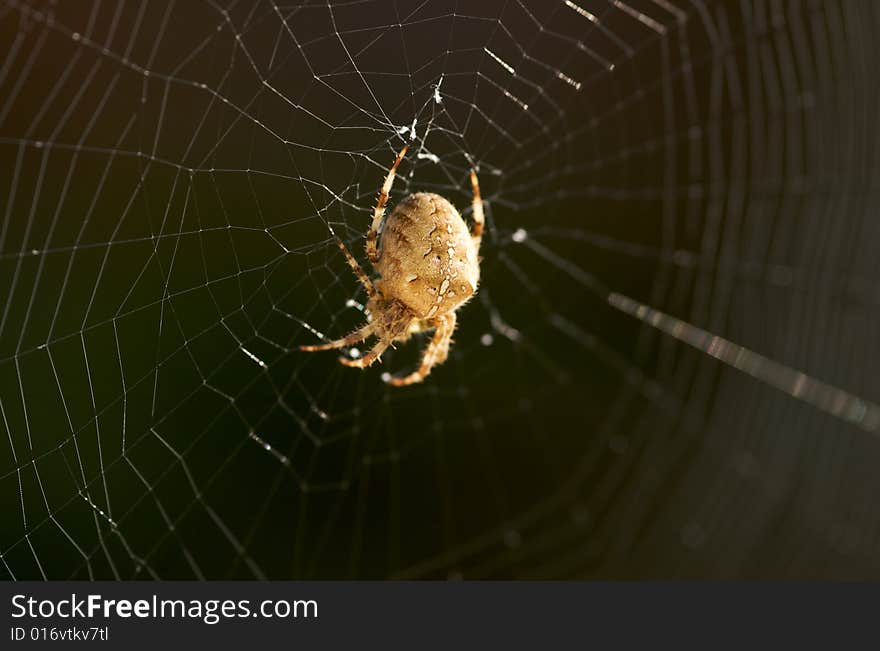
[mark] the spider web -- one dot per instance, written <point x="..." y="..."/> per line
<point x="669" y="370"/>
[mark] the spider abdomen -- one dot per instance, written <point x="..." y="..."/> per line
<point x="427" y="257"/>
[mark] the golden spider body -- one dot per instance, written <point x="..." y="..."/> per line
<point x="427" y="260"/>
<point x="428" y="265"/>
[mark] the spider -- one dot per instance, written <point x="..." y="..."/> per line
<point x="428" y="265"/>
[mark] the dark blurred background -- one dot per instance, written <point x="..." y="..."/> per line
<point x="169" y="177"/>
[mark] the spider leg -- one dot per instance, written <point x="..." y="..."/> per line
<point x="358" y="335"/>
<point x="436" y="352"/>
<point x="374" y="354"/>
<point x="479" y="217"/>
<point x="379" y="211"/>
<point x="358" y="271"/>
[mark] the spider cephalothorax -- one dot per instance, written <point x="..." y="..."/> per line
<point x="428" y="265"/>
